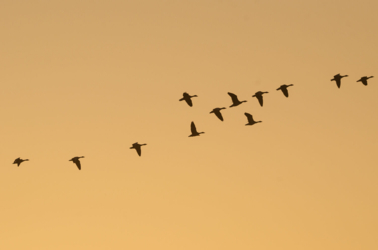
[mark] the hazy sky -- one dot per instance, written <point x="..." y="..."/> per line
<point x="89" y="78"/>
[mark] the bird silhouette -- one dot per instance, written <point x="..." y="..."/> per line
<point x="187" y="98"/>
<point x="235" y="100"/>
<point x="76" y="161"/>
<point x="18" y="161"/>
<point x="250" y="119"/>
<point x="364" y="79"/>
<point x="217" y="112"/>
<point x="194" y="130"/>
<point x="137" y="147"/>
<point x="337" y="78"/>
<point x="259" y="96"/>
<point x="283" y="88"/>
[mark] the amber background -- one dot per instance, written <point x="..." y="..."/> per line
<point x="89" y="78"/>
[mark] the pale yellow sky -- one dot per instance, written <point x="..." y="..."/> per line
<point x="89" y="78"/>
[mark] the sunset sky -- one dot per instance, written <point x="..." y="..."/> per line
<point x="90" y="78"/>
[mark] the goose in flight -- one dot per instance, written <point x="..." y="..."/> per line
<point x="194" y="130"/>
<point x="364" y="79"/>
<point x="18" y="161"/>
<point x="235" y="100"/>
<point x="259" y="97"/>
<point x="187" y="98"/>
<point x="250" y="119"/>
<point x="217" y="112"/>
<point x="283" y="88"/>
<point x="137" y="147"/>
<point x="337" y="78"/>
<point x="76" y="161"/>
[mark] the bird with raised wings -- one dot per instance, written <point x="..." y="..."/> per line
<point x="137" y="147"/>
<point x="235" y="100"/>
<point x="364" y="79"/>
<point x="77" y="161"/>
<point x="188" y="98"/>
<point x="217" y="112"/>
<point x="18" y="161"/>
<point x="283" y="88"/>
<point x="259" y="96"/>
<point x="193" y="129"/>
<point x="250" y="119"/>
<point x="337" y="79"/>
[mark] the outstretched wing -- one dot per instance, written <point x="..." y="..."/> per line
<point x="189" y="101"/>
<point x="139" y="151"/>
<point x="233" y="97"/>
<point x="193" y="128"/>
<point x="219" y="115"/>
<point x="260" y="98"/>
<point x="285" y="92"/>
<point x="338" y="82"/>
<point x="77" y="162"/>
<point x="249" y="117"/>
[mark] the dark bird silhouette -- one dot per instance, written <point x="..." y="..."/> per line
<point x="18" y="161"/>
<point x="137" y="147"/>
<point x="337" y="78"/>
<point x="187" y="98"/>
<point x="217" y="112"/>
<point x="194" y="130"/>
<point x="250" y="119"/>
<point x="283" y="88"/>
<point x="235" y="100"/>
<point x="259" y="96"/>
<point x="76" y="161"/>
<point x="364" y="79"/>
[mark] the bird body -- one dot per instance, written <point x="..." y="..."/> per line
<point x="137" y="147"/>
<point x="194" y="130"/>
<point x="250" y="119"/>
<point x="187" y="98"/>
<point x="283" y="88"/>
<point x="259" y="96"/>
<point x="217" y="112"/>
<point x="337" y="79"/>
<point x="18" y="161"/>
<point x="364" y="80"/>
<point x="76" y="161"/>
<point x="235" y="100"/>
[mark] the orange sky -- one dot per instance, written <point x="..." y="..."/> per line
<point x="89" y="78"/>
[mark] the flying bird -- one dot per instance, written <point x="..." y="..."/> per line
<point x="76" y="161"/>
<point x="18" y="161"/>
<point x="364" y="79"/>
<point x="337" y="78"/>
<point x="283" y="88"/>
<point x="235" y="100"/>
<point x="194" y="130"/>
<point x="217" y="112"/>
<point x="137" y="147"/>
<point x="250" y="119"/>
<point x="187" y="98"/>
<point x="259" y="96"/>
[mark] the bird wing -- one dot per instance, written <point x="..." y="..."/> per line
<point x="338" y="82"/>
<point x="249" y="117"/>
<point x="285" y="92"/>
<point x="233" y="97"/>
<point x="77" y="162"/>
<point x="193" y="128"/>
<point x="189" y="101"/>
<point x="219" y="115"/>
<point x="260" y="98"/>
<point x="139" y="151"/>
<point x="364" y="81"/>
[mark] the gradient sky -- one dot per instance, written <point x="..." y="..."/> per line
<point x="89" y="78"/>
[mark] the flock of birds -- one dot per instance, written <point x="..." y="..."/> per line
<point x="217" y="111"/>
